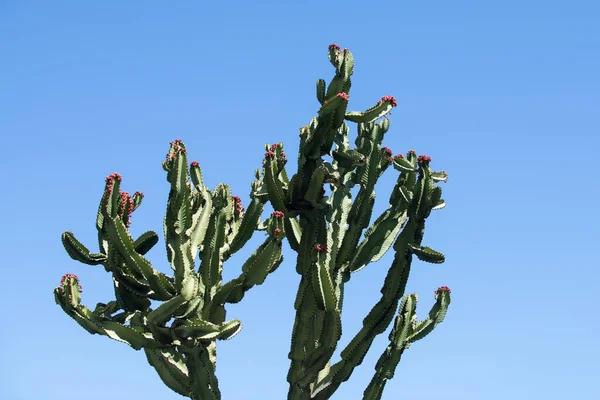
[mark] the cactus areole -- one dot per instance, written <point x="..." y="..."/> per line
<point x="333" y="237"/>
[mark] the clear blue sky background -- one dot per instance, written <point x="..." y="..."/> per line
<point x="505" y="96"/>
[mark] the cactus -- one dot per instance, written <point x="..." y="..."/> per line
<point x="332" y="236"/>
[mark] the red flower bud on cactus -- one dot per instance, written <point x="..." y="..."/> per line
<point x="390" y="99"/>
<point x="399" y="156"/>
<point x="442" y="289"/>
<point x="343" y="96"/>
<point x="334" y="46"/>
<point x="194" y="163"/>
<point x="278" y="214"/>
<point x="321" y="248"/>
<point x="114" y="176"/>
<point x="68" y="276"/>
<point x="411" y="151"/>
<point x="387" y="150"/>
<point x="270" y="154"/>
<point x="237" y="203"/>
<point x="140" y="194"/>
<point x="423" y="159"/>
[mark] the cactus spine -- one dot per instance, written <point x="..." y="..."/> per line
<point x="331" y="235"/>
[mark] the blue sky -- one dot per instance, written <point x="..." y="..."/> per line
<point x="504" y="96"/>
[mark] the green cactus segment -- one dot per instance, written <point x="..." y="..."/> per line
<point x="275" y="190"/>
<point x="323" y="288"/>
<point x="79" y="252"/>
<point x="204" y="330"/>
<point x="265" y="260"/>
<point x="332" y="104"/>
<point x="436" y="315"/>
<point x="247" y="227"/>
<point x="196" y="175"/>
<point x="163" y="313"/>
<point x="203" y="381"/>
<point x="383" y="107"/>
<point x="212" y="258"/>
<point x="406" y="330"/>
<point x="378" y="319"/>
<point x="171" y="368"/>
<point x="138" y="264"/>
<point x="145" y="242"/>
<point x="321" y="91"/>
<point x="388" y="361"/>
<point x="403" y="165"/>
<point x="379" y="238"/>
<point x="427" y="254"/>
<point x="348" y="158"/>
<point x="294" y="236"/>
<point x="315" y="188"/>
<point x="67" y="295"/>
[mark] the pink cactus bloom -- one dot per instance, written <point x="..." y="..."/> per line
<point x="423" y="158"/>
<point x="390" y="99"/>
<point x="442" y="289"/>
<point x="343" y="96"/>
<point x="321" y="248"/>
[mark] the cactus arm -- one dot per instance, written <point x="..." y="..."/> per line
<point x="145" y="242"/>
<point x="379" y="237"/>
<point x="383" y="107"/>
<point x="225" y="210"/>
<point x="436" y="316"/>
<point x="67" y="295"/>
<point x="405" y="331"/>
<point x="200" y="219"/>
<point x="171" y="368"/>
<point x="125" y="246"/>
<point x="79" y="252"/>
<point x="265" y="260"/>
<point x="202" y="379"/>
<point x="315" y="187"/>
<point x="294" y="233"/>
<point x="388" y="361"/>
<point x="376" y="321"/>
<point x="275" y="190"/>
<point x="247" y="226"/>
<point x="321" y="91"/>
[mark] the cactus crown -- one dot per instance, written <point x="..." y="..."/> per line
<point x="330" y="231"/>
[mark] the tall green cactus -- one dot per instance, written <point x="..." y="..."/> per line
<point x="331" y="235"/>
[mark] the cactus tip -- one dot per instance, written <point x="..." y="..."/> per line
<point x="442" y="289"/>
<point x="334" y="46"/>
<point x="278" y="214"/>
<point x="113" y="176"/>
<point x="423" y="159"/>
<point x="194" y="163"/>
<point x="390" y="99"/>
